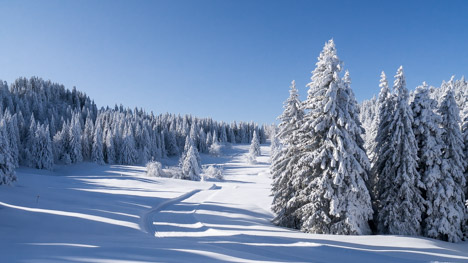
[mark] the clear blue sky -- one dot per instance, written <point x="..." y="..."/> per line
<point x="230" y="60"/>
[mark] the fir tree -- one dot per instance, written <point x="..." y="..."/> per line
<point x="254" y="149"/>
<point x="87" y="138"/>
<point x="427" y="131"/>
<point x="448" y="209"/>
<point x="127" y="152"/>
<point x="43" y="157"/>
<point x="284" y="161"/>
<point x="7" y="167"/>
<point x="75" y="150"/>
<point x="97" y="149"/>
<point x="333" y="165"/>
<point x="401" y="204"/>
<point x="190" y="162"/>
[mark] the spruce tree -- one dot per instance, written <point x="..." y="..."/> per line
<point x="43" y="157"/>
<point x="7" y="167"/>
<point x="190" y="162"/>
<point x="254" y="149"/>
<point x="283" y="163"/>
<point x="427" y="132"/>
<point x="127" y="151"/>
<point x="400" y="201"/>
<point x="87" y="138"/>
<point x="75" y="150"/>
<point x="448" y="208"/>
<point x="97" y="149"/>
<point x="333" y="165"/>
<point x="383" y="107"/>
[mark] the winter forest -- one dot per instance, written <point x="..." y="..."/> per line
<point x="394" y="164"/>
<point x="43" y="124"/>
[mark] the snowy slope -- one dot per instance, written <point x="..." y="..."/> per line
<point x="91" y="213"/>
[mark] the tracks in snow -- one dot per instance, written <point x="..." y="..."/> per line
<point x="155" y="219"/>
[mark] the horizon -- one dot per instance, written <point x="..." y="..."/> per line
<point x="200" y="58"/>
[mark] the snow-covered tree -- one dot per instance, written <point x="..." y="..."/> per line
<point x="254" y="149"/>
<point x="154" y="169"/>
<point x="109" y="152"/>
<point x="13" y="136"/>
<point x="29" y="142"/>
<point x="378" y="137"/>
<point x="448" y="210"/>
<point x="400" y="202"/>
<point x="74" y="143"/>
<point x="333" y="165"/>
<point x="190" y="162"/>
<point x="43" y="157"/>
<point x="127" y="152"/>
<point x="61" y="145"/>
<point x="145" y="144"/>
<point x="87" y="138"/>
<point x="284" y="161"/>
<point x="383" y="107"/>
<point x="427" y="132"/>
<point x="275" y="145"/>
<point x="7" y="167"/>
<point x="97" y="149"/>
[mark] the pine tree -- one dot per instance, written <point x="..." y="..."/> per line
<point x="127" y="151"/>
<point x="383" y="107"/>
<point x="427" y="132"/>
<point x="43" y="157"/>
<point x="190" y="162"/>
<point x="401" y="204"/>
<point x="87" y="138"/>
<point x="448" y="209"/>
<point x="145" y="154"/>
<point x="29" y="142"/>
<point x="333" y="166"/>
<point x="75" y="150"/>
<point x="97" y="149"/>
<point x="284" y="161"/>
<point x="254" y="149"/>
<point x="7" y="167"/>
<point x="275" y="146"/>
<point x="13" y="136"/>
<point x="171" y="144"/>
<point x="110" y="155"/>
<point x="380" y="132"/>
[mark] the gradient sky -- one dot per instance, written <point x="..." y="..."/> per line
<point x="230" y="60"/>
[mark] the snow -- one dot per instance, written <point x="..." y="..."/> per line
<point x="91" y="213"/>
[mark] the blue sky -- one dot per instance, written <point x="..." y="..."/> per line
<point x="230" y="60"/>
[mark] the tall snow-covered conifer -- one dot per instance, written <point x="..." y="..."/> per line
<point x="7" y="166"/>
<point x="284" y="162"/>
<point x="333" y="165"/>
<point x="383" y="106"/>
<point x="97" y="149"/>
<point x="400" y="201"/>
<point x="254" y="149"/>
<point x="427" y="131"/>
<point x="43" y="157"/>
<point x="190" y="161"/>
<point x="75" y="150"/>
<point x="449" y="208"/>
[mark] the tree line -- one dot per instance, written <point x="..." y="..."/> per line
<point x="43" y="123"/>
<point x="395" y="164"/>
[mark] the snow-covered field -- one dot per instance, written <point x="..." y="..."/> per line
<point x="92" y="213"/>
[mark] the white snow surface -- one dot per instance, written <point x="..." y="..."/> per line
<point x="93" y="213"/>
